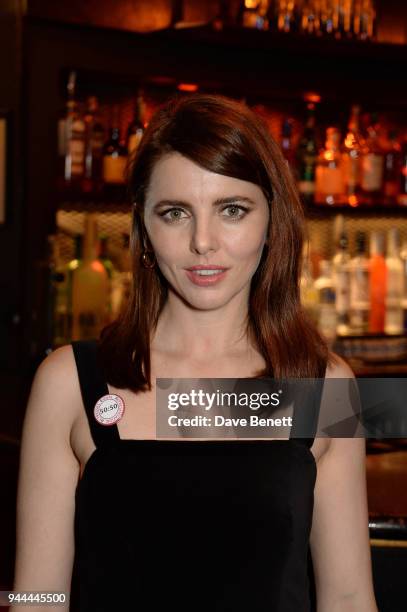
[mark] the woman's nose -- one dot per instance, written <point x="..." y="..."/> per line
<point x="204" y="236"/>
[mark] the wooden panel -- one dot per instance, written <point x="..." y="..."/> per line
<point x="392" y="21"/>
<point x="136" y="15"/>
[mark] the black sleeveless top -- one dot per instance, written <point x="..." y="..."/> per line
<point x="214" y="525"/>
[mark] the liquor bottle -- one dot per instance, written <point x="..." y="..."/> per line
<point x="109" y="267"/>
<point x="55" y="280"/>
<point x="346" y="8"/>
<point x="372" y="164"/>
<point x="286" y="142"/>
<point x="308" y="292"/>
<point x="392" y="162"/>
<point x="351" y="158"/>
<point x="327" y="318"/>
<point x="359" y="287"/>
<point x="122" y="277"/>
<point x="327" y="18"/>
<point x="329" y="186"/>
<point x="288" y="16"/>
<point x="135" y="130"/>
<point x="61" y="318"/>
<point x="94" y="142"/>
<point x="402" y="195"/>
<point x="90" y="290"/>
<point x="367" y="20"/>
<point x="394" y="294"/>
<point x="46" y="271"/>
<point x="403" y="255"/>
<point x="307" y="153"/>
<point x="316" y="251"/>
<point x="341" y="279"/>
<point x="72" y="136"/>
<point x="254" y="14"/>
<point x="377" y="283"/>
<point x="310" y="18"/>
<point x="104" y="255"/>
<point x="72" y="265"/>
<point x="114" y="154"/>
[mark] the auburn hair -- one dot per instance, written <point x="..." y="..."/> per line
<point x="223" y="136"/>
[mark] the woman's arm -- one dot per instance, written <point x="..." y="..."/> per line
<point x="48" y="477"/>
<point x="339" y="540"/>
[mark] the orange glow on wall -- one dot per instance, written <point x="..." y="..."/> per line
<point x="187" y="87"/>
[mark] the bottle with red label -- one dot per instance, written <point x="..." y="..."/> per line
<point x="377" y="283"/>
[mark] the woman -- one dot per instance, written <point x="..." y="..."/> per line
<point x="200" y="524"/>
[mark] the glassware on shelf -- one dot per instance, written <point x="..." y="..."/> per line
<point x="329" y="185"/>
<point x="71" y="136"/>
<point x="394" y="286"/>
<point x="308" y="292"/>
<point x="114" y="153"/>
<point x="359" y="287"/>
<point x="327" y="316"/>
<point x="306" y="156"/>
<point x="377" y="283"/>
<point x="403" y="256"/>
<point x="392" y="164"/>
<point x="372" y="166"/>
<point x="351" y="158"/>
<point x="90" y="288"/>
<point x="94" y="142"/>
<point x="341" y="279"/>
<point x="254" y="14"/>
<point x="402" y="195"/>
<point x="135" y="129"/>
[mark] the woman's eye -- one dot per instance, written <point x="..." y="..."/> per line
<point x="172" y="214"/>
<point x="235" y="211"/>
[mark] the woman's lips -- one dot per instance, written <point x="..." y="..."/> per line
<point x="207" y="280"/>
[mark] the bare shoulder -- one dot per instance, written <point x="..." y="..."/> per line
<point x="337" y="367"/>
<point x="55" y="392"/>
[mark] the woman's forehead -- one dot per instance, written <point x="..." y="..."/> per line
<point x="175" y="177"/>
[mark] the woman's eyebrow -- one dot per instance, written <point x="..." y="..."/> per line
<point x="217" y="202"/>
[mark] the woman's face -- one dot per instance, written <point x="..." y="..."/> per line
<point x="194" y="217"/>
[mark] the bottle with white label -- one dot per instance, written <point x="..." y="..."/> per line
<point x="394" y="311"/>
<point x="341" y="278"/>
<point x="372" y="164"/>
<point x="90" y="288"/>
<point x="327" y="317"/>
<point x="329" y="184"/>
<point x="359" y="287"/>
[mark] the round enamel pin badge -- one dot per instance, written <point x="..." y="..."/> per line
<point x="109" y="409"/>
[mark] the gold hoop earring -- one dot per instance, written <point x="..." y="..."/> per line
<point x="145" y="261"/>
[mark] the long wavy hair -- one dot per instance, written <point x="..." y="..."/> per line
<point x="223" y="136"/>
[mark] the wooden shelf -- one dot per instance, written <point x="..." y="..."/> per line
<point x="386" y="209"/>
<point x="116" y="197"/>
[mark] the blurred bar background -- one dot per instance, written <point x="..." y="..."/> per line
<point x="79" y="83"/>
